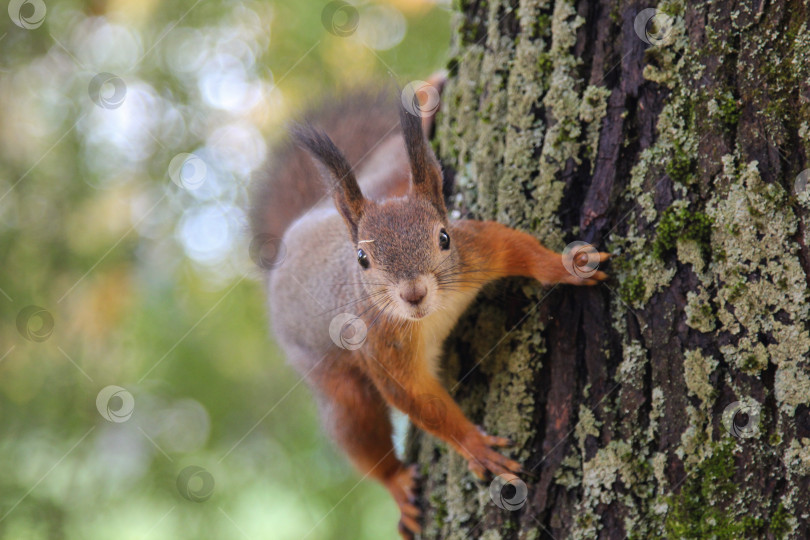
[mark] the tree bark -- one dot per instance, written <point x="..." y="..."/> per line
<point x="673" y="399"/>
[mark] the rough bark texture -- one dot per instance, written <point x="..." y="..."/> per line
<point x="681" y="158"/>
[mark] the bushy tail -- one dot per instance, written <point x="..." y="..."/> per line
<point x="289" y="184"/>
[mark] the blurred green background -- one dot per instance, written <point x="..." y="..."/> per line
<point x="142" y="278"/>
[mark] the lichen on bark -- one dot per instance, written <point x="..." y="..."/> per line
<point x="680" y="156"/>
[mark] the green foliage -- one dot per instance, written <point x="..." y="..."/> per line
<point x="94" y="230"/>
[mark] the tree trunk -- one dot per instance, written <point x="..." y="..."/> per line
<point x="673" y="399"/>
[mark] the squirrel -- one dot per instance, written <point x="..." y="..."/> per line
<point x="384" y="250"/>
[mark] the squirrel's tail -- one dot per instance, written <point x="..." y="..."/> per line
<point x="289" y="183"/>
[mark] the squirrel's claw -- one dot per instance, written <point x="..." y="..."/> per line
<point x="408" y="525"/>
<point x="402" y="485"/>
<point x="405" y="531"/>
<point x="497" y="441"/>
<point x="494" y="463"/>
<point x="595" y="278"/>
<point x="481" y="457"/>
<point x="410" y="510"/>
<point x="581" y="274"/>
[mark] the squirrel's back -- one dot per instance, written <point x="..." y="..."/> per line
<point x="289" y="183"/>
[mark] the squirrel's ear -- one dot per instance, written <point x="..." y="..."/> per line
<point x="425" y="170"/>
<point x="337" y="173"/>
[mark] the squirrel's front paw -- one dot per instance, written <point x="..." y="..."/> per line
<point x="478" y="448"/>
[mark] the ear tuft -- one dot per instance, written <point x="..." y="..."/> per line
<point x="336" y="171"/>
<point x="321" y="146"/>
<point x="425" y="170"/>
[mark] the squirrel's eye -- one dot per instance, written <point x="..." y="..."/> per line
<point x="444" y="239"/>
<point x="362" y="258"/>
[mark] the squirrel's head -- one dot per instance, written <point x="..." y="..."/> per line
<point x="405" y="253"/>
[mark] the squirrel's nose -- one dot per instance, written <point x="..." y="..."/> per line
<point x="413" y="294"/>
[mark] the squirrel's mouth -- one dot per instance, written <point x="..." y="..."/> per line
<point x="413" y="313"/>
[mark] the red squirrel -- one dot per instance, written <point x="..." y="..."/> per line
<point x="385" y="251"/>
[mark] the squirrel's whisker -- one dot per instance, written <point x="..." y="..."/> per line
<point x="351" y="303"/>
<point x="379" y="315"/>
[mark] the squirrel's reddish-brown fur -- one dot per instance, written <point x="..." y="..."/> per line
<point x="422" y="272"/>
